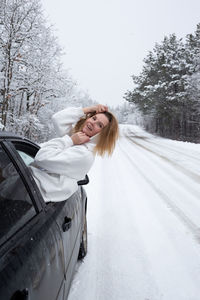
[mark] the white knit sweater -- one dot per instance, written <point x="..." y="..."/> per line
<point x="59" y="164"/>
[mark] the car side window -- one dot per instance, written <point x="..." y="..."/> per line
<point x="16" y="207"/>
<point x="25" y="157"/>
<point x="26" y="151"/>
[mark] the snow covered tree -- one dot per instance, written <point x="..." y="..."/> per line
<point x="31" y="74"/>
<point x="193" y="81"/>
<point x="18" y="20"/>
<point x="128" y="113"/>
<point x="161" y="90"/>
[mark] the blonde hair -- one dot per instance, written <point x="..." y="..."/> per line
<point x="107" y="136"/>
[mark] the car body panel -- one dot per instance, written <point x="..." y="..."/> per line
<point x="39" y="259"/>
<point x="30" y="260"/>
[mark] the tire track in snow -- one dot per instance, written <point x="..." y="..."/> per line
<point x="138" y="249"/>
<point x="162" y="144"/>
<point x="182" y="169"/>
<point x="194" y="229"/>
<point x="170" y="167"/>
<point x="113" y="247"/>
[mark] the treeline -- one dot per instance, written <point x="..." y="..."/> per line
<point x="167" y="91"/>
<point x="31" y="74"/>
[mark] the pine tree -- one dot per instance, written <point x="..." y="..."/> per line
<point x="161" y="90"/>
<point x="193" y="82"/>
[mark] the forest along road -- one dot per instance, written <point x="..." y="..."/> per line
<point x="143" y="222"/>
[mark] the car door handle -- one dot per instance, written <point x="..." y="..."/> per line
<point x="67" y="224"/>
<point x="20" y="295"/>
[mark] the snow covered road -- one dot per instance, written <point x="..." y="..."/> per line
<point x="143" y="222"/>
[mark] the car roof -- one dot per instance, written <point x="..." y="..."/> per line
<point x="7" y="134"/>
<point x="13" y="136"/>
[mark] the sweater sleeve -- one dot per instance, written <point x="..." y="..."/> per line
<point x="64" y="119"/>
<point x="58" y="157"/>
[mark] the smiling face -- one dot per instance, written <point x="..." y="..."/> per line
<point x="95" y="124"/>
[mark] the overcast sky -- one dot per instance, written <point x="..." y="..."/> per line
<point x="106" y="40"/>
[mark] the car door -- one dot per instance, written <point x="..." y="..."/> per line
<point x="69" y="218"/>
<point x="31" y="248"/>
<point x="70" y="223"/>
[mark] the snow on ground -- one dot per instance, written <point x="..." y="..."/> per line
<point x="143" y="222"/>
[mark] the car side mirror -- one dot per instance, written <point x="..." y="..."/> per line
<point x="84" y="181"/>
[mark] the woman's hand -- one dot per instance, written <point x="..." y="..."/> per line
<point x="97" y="108"/>
<point x="79" y="138"/>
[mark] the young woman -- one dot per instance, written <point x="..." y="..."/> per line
<point x="63" y="161"/>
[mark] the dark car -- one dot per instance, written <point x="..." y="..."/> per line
<point x="39" y="242"/>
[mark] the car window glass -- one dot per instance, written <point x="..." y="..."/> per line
<point x="16" y="207"/>
<point x="26" y="158"/>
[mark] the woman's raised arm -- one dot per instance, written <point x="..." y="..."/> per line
<point x="99" y="108"/>
<point x="64" y="119"/>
